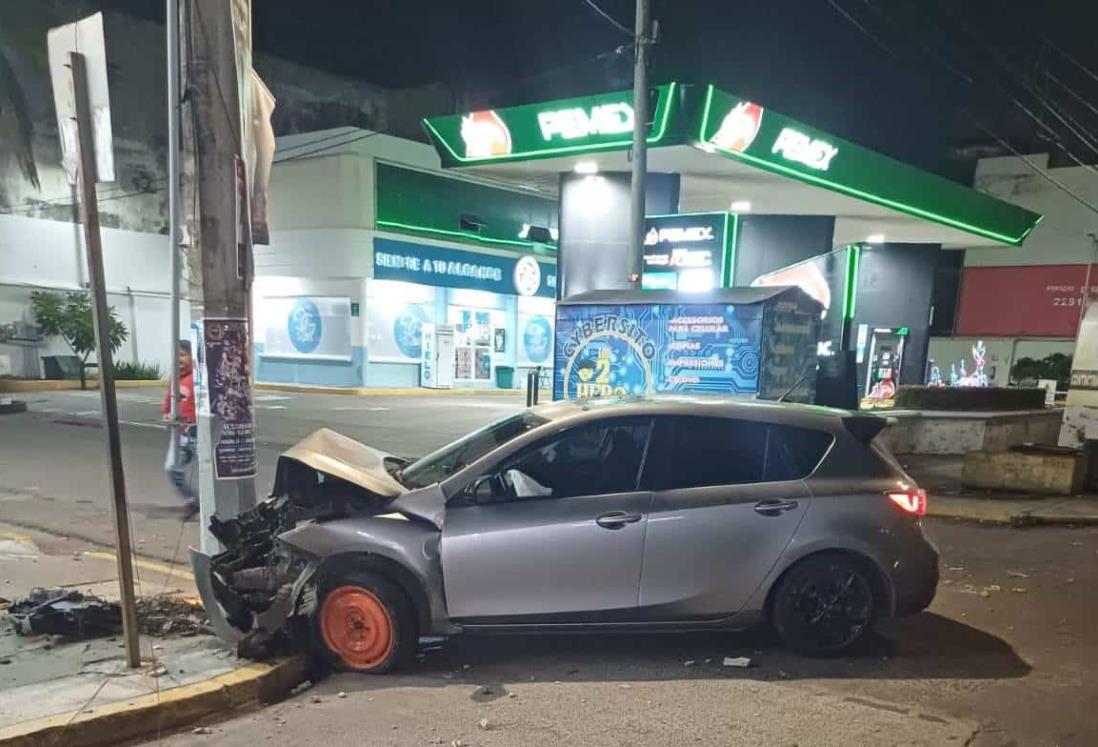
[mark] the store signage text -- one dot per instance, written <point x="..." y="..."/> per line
<point x="678" y="234"/>
<point x="437" y="266"/>
<point x="794" y="145"/>
<point x="576" y="122"/>
<point x="454" y="268"/>
<point x="681" y="257"/>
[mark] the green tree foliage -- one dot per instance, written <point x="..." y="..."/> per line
<point x="70" y="318"/>
<point x="1055" y="366"/>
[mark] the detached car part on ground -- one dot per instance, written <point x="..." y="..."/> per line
<point x="654" y="514"/>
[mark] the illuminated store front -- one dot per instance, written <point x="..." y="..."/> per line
<point x="739" y="195"/>
<point x="368" y="252"/>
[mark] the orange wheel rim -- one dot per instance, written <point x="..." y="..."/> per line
<point x="356" y="627"/>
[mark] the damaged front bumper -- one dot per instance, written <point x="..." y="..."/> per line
<point x="258" y="585"/>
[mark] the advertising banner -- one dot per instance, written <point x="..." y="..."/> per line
<point x="228" y="388"/>
<point x="687" y="251"/>
<point x="454" y="268"/>
<point x="824" y="279"/>
<point x="1031" y="301"/>
<point x="584" y="124"/>
<point x="395" y="315"/>
<point x="535" y="332"/>
<point x="613" y="350"/>
<point x="310" y="327"/>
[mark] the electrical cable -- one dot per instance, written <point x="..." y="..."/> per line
<point x="609" y="18"/>
<point x="1033" y="166"/>
<point x="1001" y="60"/>
<point x="359" y="136"/>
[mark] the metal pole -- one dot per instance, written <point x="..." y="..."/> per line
<point x="103" y="348"/>
<point x="173" y="219"/>
<point x="640" y="144"/>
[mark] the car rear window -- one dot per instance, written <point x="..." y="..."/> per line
<point x="793" y="453"/>
<point x="726" y="451"/>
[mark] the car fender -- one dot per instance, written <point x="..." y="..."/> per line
<point x="799" y="549"/>
<point x="411" y="544"/>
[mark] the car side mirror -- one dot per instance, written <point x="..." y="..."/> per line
<point x="483" y="490"/>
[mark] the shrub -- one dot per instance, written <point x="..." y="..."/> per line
<point x="124" y="370"/>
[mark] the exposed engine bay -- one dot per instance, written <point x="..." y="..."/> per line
<point x="259" y="582"/>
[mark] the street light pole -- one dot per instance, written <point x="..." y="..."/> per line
<point x="173" y="220"/>
<point x="640" y="144"/>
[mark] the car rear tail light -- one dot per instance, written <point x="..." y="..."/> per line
<point x="911" y="501"/>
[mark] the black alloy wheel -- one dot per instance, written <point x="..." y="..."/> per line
<point x="824" y="605"/>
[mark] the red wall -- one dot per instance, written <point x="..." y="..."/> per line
<point x="1030" y="301"/>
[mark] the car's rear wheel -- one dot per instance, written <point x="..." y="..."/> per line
<point x="364" y="623"/>
<point x="824" y="605"/>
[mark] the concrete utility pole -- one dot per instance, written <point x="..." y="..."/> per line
<point x="226" y="432"/>
<point x="640" y="143"/>
<point x="90" y="205"/>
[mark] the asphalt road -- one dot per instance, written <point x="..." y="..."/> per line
<point x="53" y="471"/>
<point x="1006" y="655"/>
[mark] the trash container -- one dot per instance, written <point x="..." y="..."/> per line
<point x="505" y="377"/>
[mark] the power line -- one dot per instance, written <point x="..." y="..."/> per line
<point x="608" y="18"/>
<point x="1036" y="168"/>
<point x="322" y="149"/>
<point x="1090" y="73"/>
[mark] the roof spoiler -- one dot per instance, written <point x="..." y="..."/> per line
<point x="864" y="427"/>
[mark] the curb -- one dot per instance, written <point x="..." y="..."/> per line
<point x="17" y="386"/>
<point x="253" y="684"/>
<point x="1019" y="519"/>
<point x="363" y="391"/>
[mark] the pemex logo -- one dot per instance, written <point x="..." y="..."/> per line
<point x="739" y="128"/>
<point x="485" y="135"/>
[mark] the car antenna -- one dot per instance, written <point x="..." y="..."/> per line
<point x="791" y="389"/>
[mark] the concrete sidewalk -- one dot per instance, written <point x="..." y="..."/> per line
<point x="1016" y="511"/>
<point x="55" y="690"/>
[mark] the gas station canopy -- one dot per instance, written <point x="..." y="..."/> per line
<point x="732" y="154"/>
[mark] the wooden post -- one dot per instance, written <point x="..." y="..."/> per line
<point x="90" y="205"/>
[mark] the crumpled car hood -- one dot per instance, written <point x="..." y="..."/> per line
<point x="347" y="459"/>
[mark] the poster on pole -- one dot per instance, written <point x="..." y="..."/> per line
<point x="228" y="387"/>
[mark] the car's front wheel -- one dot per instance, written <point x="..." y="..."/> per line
<point x="824" y="605"/>
<point x="364" y="623"/>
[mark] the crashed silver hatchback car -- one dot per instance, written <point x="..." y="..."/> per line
<point x="684" y="513"/>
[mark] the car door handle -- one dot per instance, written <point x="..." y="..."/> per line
<point x="774" y="507"/>
<point x="616" y="519"/>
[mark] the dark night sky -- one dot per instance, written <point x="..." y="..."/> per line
<point x="910" y="85"/>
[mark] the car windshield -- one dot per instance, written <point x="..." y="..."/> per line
<point x="440" y="464"/>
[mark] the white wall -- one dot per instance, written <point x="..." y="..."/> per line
<point x="38" y="254"/>
<point x="1061" y="238"/>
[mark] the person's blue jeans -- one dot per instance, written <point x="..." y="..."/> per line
<point x="179" y="473"/>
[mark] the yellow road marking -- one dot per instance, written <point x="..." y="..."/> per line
<point x="24" y="539"/>
<point x="152" y="565"/>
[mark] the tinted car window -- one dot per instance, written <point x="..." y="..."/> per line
<point x="716" y="451"/>
<point x="441" y="464"/>
<point x="588" y="460"/>
<point x="793" y="453"/>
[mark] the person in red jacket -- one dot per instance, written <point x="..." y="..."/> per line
<point x="177" y="469"/>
